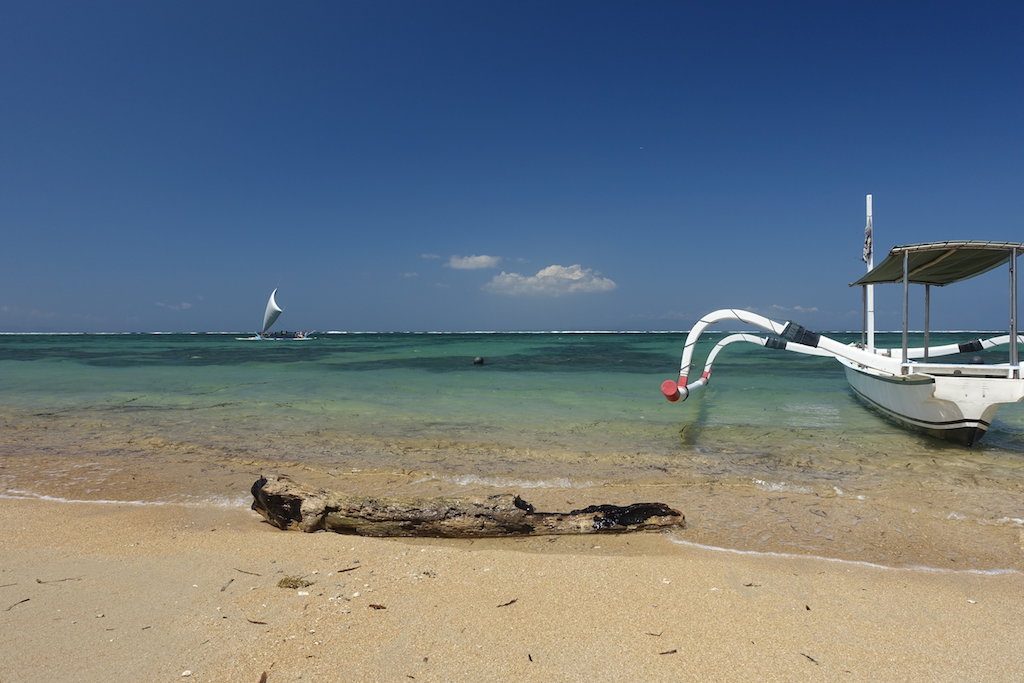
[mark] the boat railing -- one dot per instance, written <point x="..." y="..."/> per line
<point x="996" y="371"/>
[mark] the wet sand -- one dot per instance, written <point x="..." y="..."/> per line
<point x="118" y="592"/>
<point x="964" y="522"/>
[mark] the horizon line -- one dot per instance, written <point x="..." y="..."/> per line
<point x="440" y="332"/>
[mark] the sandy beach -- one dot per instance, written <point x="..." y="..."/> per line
<point x="127" y="593"/>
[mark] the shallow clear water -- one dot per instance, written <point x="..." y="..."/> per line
<point x="777" y="454"/>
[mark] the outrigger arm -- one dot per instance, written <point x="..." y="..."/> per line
<point x="767" y="342"/>
<point x="790" y="336"/>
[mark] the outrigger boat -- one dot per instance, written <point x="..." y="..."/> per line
<point x="952" y="401"/>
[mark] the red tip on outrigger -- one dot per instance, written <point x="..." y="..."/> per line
<point x="670" y="389"/>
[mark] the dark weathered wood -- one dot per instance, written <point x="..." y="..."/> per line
<point x="289" y="505"/>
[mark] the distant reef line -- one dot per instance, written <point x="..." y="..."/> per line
<point x="341" y="333"/>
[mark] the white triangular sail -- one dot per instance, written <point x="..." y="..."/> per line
<point x="273" y="310"/>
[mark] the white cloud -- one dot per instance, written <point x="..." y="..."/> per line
<point x="33" y="313"/>
<point x="555" y="280"/>
<point x="473" y="262"/>
<point x="430" y="257"/>
<point x="183" y="306"/>
<point x="795" y="309"/>
<point x="410" y="274"/>
<point x="667" y="315"/>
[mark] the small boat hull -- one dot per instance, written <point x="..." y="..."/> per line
<point x="912" y="402"/>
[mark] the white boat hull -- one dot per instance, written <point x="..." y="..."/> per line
<point x="958" y="409"/>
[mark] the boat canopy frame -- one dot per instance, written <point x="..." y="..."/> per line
<point x="941" y="264"/>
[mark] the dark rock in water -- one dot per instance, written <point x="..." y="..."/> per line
<point x="288" y="505"/>
<point x="479" y="360"/>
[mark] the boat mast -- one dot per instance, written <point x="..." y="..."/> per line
<point x="1014" y="353"/>
<point x="927" y="315"/>
<point x="906" y="306"/>
<point x="869" y="290"/>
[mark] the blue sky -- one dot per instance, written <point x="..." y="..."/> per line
<point x="496" y="165"/>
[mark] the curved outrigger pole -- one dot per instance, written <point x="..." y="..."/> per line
<point x="790" y="336"/>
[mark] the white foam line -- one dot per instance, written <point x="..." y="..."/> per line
<point x="24" y="495"/>
<point x="14" y="494"/>
<point x="500" y="482"/>
<point x="836" y="560"/>
<point x="780" y="486"/>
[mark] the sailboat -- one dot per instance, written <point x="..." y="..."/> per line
<point x="270" y="316"/>
<point x="952" y="401"/>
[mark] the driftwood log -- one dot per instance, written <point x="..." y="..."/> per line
<point x="289" y="505"/>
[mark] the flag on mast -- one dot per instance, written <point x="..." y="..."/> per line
<point x="866" y="256"/>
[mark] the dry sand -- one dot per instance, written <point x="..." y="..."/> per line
<point x="95" y="592"/>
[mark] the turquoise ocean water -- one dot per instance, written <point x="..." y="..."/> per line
<point x="776" y="455"/>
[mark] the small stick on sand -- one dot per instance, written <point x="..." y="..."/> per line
<point x="16" y="604"/>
